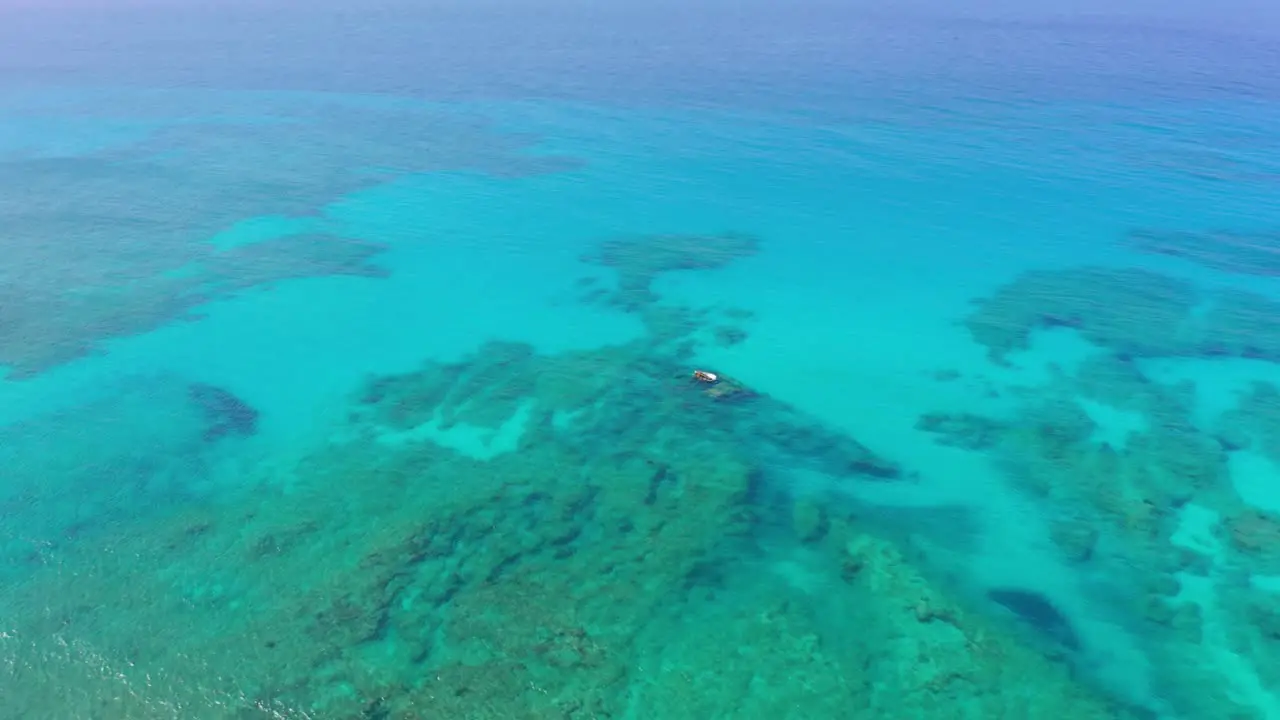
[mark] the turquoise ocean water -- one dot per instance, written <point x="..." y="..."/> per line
<point x="349" y="375"/>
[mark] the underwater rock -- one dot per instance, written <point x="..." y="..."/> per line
<point x="44" y="327"/>
<point x="1119" y="382"/>
<point x="809" y="444"/>
<point x="1164" y="586"/>
<point x="638" y="260"/>
<point x="962" y="430"/>
<point x="1256" y="533"/>
<point x="1131" y="483"/>
<point x="730" y="336"/>
<point x="225" y="413"/>
<point x="1246" y="253"/>
<point x="616" y="556"/>
<point x="1051" y="450"/>
<point x="131" y="451"/>
<point x="809" y="521"/>
<point x="1267" y="618"/>
<point x="1134" y="313"/>
<point x="1194" y="562"/>
<point x="619" y="562"/>
<point x="1232" y="438"/>
<point x="291" y="257"/>
<point x="1076" y="538"/>
<point x="1037" y="610"/>
<point x="616" y="393"/>
<point x="1239" y="324"/>
<point x="116" y="241"/>
<point x="517" y="589"/>
<point x="1254" y="423"/>
<point x="726" y="389"/>
<point x="1185" y="619"/>
<point x="776" y="431"/>
<point x="923" y="648"/>
<point x="1249" y="615"/>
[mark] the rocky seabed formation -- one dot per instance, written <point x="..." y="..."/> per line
<point x="635" y="552"/>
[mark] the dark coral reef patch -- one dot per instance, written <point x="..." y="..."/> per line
<point x="1244" y="253"/>
<point x="226" y="414"/>
<point x="116" y="242"/>
<point x="614" y="566"/>
<point x="638" y="260"/>
<point x="135" y="453"/>
<point x="44" y="323"/>
<point x="1040" y="612"/>
<point x="1152" y="500"/>
<point x="593" y="398"/>
<point x="634" y="554"/>
<point x="1134" y="313"/>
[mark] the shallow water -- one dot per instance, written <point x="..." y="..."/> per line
<point x="350" y="376"/>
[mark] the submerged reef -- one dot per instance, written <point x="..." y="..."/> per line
<point x="132" y="454"/>
<point x="1040" y="612"/>
<point x="516" y="534"/>
<point x="1137" y="482"/>
<point x="226" y="414"/>
<point x="640" y="259"/>
<point x="1254" y="423"/>
<point x="44" y="321"/>
<point x="1246" y="253"/>
<point x="616" y="562"/>
<point x="964" y="430"/>
<point x="1134" y="313"/>
<point x="613" y="394"/>
<point x="118" y="241"/>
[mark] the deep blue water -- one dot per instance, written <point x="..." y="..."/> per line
<point x="348" y="362"/>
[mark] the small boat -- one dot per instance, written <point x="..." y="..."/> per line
<point x="706" y="377"/>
